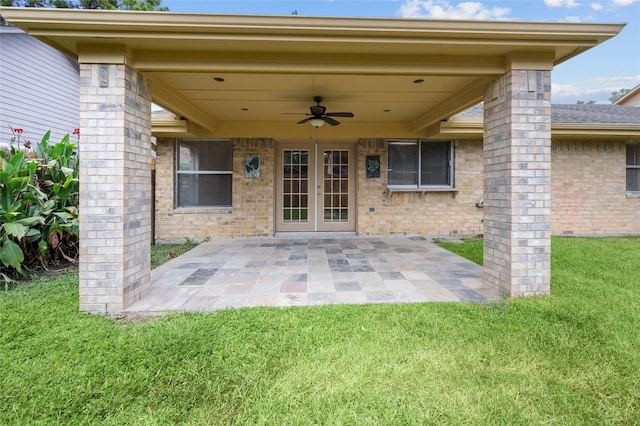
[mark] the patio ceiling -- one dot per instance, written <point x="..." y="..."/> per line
<point x="248" y="76"/>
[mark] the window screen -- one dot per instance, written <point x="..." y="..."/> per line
<point x="421" y="164"/>
<point x="633" y="167"/>
<point x="403" y="163"/>
<point x="204" y="173"/>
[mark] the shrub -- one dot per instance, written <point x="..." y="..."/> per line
<point x="38" y="207"/>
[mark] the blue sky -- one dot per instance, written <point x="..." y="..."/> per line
<point x="593" y="75"/>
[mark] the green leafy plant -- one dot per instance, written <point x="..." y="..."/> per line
<point x="38" y="207"/>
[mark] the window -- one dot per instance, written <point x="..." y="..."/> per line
<point x="420" y="164"/>
<point x="633" y="167"/>
<point x="204" y="173"/>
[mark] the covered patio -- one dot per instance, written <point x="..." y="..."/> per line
<point x="240" y="77"/>
<point x="313" y="270"/>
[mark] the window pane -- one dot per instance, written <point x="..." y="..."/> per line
<point x="632" y="154"/>
<point x="296" y="186"/>
<point x="196" y="190"/>
<point x="633" y="180"/>
<point x="205" y="155"/>
<point x="403" y="163"/>
<point x="633" y="172"/>
<point x="434" y="161"/>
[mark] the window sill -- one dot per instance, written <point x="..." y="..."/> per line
<point x="203" y="210"/>
<point x="420" y="191"/>
<point x="633" y="194"/>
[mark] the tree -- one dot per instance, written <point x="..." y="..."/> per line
<point x="85" y="4"/>
<point x="586" y="102"/>
<point x="89" y="4"/>
<point x="617" y="95"/>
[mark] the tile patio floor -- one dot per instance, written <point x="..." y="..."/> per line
<point x="312" y="271"/>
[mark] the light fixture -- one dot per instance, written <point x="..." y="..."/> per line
<point x="316" y="122"/>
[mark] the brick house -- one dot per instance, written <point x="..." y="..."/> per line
<point x="454" y="205"/>
<point x="248" y="152"/>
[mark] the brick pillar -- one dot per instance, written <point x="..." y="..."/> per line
<point x="517" y="182"/>
<point x="115" y="187"/>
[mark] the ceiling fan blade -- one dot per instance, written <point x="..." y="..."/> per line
<point x="294" y="113"/>
<point x="330" y="121"/>
<point x="339" y="114"/>
<point x="304" y="120"/>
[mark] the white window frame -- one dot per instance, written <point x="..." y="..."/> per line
<point x="201" y="172"/>
<point x="419" y="185"/>
<point x="632" y="166"/>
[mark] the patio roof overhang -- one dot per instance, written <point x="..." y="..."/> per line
<point x="472" y="128"/>
<point x="400" y="77"/>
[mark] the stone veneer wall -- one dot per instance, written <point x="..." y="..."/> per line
<point x="409" y="213"/>
<point x="253" y="198"/>
<point x="589" y="194"/>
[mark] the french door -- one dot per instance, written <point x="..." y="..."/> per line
<point x="315" y="187"/>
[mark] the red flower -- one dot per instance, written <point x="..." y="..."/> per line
<point x="76" y="131"/>
<point x="18" y="130"/>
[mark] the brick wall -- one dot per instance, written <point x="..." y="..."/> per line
<point x="588" y="180"/>
<point x="517" y="182"/>
<point x="578" y="206"/>
<point x="115" y="187"/>
<point x="252" y="211"/>
<point x="410" y="213"/>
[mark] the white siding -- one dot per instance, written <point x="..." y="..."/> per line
<point x="39" y="88"/>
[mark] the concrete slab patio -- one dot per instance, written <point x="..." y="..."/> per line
<point x="305" y="271"/>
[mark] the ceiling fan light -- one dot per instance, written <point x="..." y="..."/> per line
<point x="316" y="122"/>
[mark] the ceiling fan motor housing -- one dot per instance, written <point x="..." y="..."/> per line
<point x="319" y="112"/>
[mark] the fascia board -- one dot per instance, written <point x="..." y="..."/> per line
<point x="472" y="127"/>
<point x="387" y="32"/>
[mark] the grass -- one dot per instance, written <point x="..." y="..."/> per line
<point x="161" y="253"/>
<point x="569" y="358"/>
<point x="471" y="249"/>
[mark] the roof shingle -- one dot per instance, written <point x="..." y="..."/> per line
<point x="580" y="113"/>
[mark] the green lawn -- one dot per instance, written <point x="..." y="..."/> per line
<point x="471" y="249"/>
<point x="569" y="358"/>
<point x="161" y="253"/>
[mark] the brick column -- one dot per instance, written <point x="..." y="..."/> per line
<point x="517" y="182"/>
<point x="115" y="187"/>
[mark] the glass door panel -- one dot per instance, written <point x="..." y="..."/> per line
<point x="315" y="187"/>
<point x="336" y="184"/>
<point x="295" y="193"/>
<point x="336" y="204"/>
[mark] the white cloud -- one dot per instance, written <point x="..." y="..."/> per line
<point x="624" y="2"/>
<point x="597" y="6"/>
<point x="441" y="9"/>
<point x="621" y="81"/>
<point x="572" y="19"/>
<point x="594" y="89"/>
<point x="565" y="3"/>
